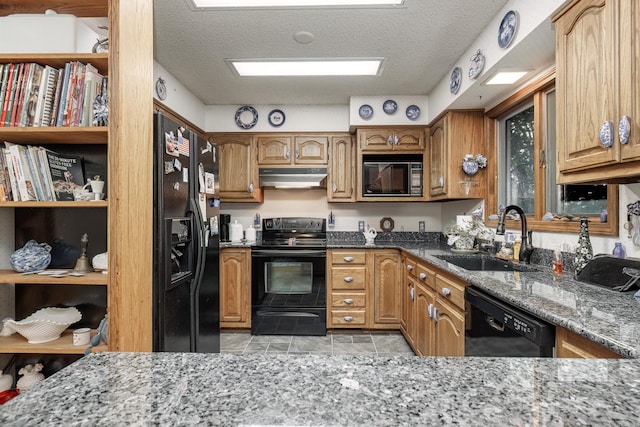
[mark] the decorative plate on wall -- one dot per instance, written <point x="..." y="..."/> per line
<point x="276" y="118"/>
<point x="413" y="112"/>
<point x="246" y="117"/>
<point x="455" y="80"/>
<point x="161" y="89"/>
<point x="477" y="64"/>
<point x="508" y="29"/>
<point x="365" y="111"/>
<point x="390" y="106"/>
<point x="387" y="224"/>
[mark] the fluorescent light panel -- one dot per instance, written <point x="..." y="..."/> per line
<point x="301" y="67"/>
<point x="293" y="3"/>
<point x="506" y="77"/>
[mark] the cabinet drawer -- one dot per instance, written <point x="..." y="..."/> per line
<point x="450" y="291"/>
<point x="347" y="318"/>
<point x="425" y="275"/>
<point x="344" y="300"/>
<point x="348" y="257"/>
<point x="348" y="278"/>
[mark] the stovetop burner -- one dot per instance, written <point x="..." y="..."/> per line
<point x="295" y="231"/>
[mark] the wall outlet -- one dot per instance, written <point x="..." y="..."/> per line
<point x="361" y="226"/>
<point x="421" y="226"/>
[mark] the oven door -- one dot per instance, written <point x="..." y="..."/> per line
<point x="288" y="291"/>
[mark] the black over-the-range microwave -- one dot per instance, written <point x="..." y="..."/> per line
<point x="395" y="175"/>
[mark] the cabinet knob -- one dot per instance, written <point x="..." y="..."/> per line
<point x="250" y="188"/>
<point x="396" y="140"/>
<point x="348" y="318"/>
<point x="348" y="279"/>
<point x="348" y="259"/>
<point x="624" y="129"/>
<point x="412" y="293"/>
<point x="335" y="187"/>
<point x="423" y="276"/>
<point x="390" y="140"/>
<point x="297" y="155"/>
<point x="409" y="267"/>
<point x="446" y="291"/>
<point x="430" y="311"/>
<point x="348" y="301"/>
<point x="442" y="181"/>
<point x="606" y="134"/>
<point x="434" y="314"/>
<point x="286" y="154"/>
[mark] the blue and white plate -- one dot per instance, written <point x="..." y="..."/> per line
<point x="456" y="79"/>
<point x="276" y="118"/>
<point x="246" y="117"/>
<point x="366" y="111"/>
<point x="413" y="112"/>
<point x="390" y="106"/>
<point x="508" y="29"/>
<point x="477" y="64"/>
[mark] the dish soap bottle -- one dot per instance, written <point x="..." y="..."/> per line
<point x="557" y="262"/>
<point x="584" y="251"/>
<point x="618" y="250"/>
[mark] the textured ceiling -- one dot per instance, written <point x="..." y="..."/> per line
<point x="421" y="42"/>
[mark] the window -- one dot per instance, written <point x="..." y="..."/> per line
<point x="525" y="161"/>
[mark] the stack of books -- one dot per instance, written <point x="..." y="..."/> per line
<point x="40" y="95"/>
<point x="29" y="173"/>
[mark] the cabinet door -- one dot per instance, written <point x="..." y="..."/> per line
<point x="387" y="287"/>
<point x="238" y="175"/>
<point x="311" y="150"/>
<point x="409" y="139"/>
<point x="235" y="288"/>
<point x="437" y="159"/>
<point x="570" y="345"/>
<point x="408" y="310"/>
<point x="629" y="58"/>
<point x="449" y="329"/>
<point x="342" y="170"/>
<point x="586" y="69"/>
<point x="274" y="150"/>
<point x="375" y="139"/>
<point x="424" y="326"/>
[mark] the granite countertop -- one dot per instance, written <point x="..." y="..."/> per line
<point x="180" y="389"/>
<point x="609" y="318"/>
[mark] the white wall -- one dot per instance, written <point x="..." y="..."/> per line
<point x="179" y="99"/>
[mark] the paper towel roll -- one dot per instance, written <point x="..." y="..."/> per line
<point x="464" y="221"/>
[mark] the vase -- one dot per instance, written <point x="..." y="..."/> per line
<point x="464" y="243"/>
<point x="470" y="168"/>
<point x="584" y="251"/>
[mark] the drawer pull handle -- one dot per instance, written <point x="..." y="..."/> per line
<point x="446" y="291"/>
<point x="409" y="267"/>
<point x="348" y="318"/>
<point x="348" y="279"/>
<point x="423" y="276"/>
<point x="348" y="259"/>
<point x="348" y="301"/>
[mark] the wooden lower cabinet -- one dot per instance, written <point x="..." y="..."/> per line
<point x="364" y="289"/>
<point x="433" y="312"/>
<point x="570" y="345"/>
<point x="387" y="288"/>
<point x="235" y="288"/>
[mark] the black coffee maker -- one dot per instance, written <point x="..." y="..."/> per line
<point x="225" y="220"/>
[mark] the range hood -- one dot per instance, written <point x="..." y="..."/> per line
<point x="293" y="177"/>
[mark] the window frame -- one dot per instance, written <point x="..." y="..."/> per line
<point x="536" y="90"/>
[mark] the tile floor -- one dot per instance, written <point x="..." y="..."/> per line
<point x="386" y="344"/>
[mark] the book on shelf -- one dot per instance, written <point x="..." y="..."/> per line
<point x="31" y="95"/>
<point x="66" y="173"/>
<point x="13" y="195"/>
<point x="15" y="83"/>
<point x="5" y="184"/>
<point x="4" y="74"/>
<point x="19" y="95"/>
<point x="22" y="172"/>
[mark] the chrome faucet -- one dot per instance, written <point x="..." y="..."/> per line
<point x="526" y="248"/>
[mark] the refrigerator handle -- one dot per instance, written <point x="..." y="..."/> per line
<point x="200" y="240"/>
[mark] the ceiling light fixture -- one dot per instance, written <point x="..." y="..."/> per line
<point x="307" y="67"/>
<point x="292" y="3"/>
<point x="506" y="77"/>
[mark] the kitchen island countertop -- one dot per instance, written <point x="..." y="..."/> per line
<point x="179" y="389"/>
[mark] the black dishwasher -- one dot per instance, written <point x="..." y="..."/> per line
<point x="497" y="329"/>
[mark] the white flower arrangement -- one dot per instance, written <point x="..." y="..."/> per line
<point x="478" y="230"/>
<point x="478" y="158"/>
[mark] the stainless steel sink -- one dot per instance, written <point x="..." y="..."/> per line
<point x="484" y="263"/>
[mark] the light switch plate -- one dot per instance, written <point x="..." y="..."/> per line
<point x="361" y="226"/>
<point x="421" y="226"/>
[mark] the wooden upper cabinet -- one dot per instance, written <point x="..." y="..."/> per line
<point x="597" y="81"/>
<point x="452" y="136"/>
<point x="391" y="139"/>
<point x="292" y="149"/>
<point x="341" y="174"/>
<point x="238" y="173"/>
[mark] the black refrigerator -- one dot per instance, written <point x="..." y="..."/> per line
<point x="186" y="242"/>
